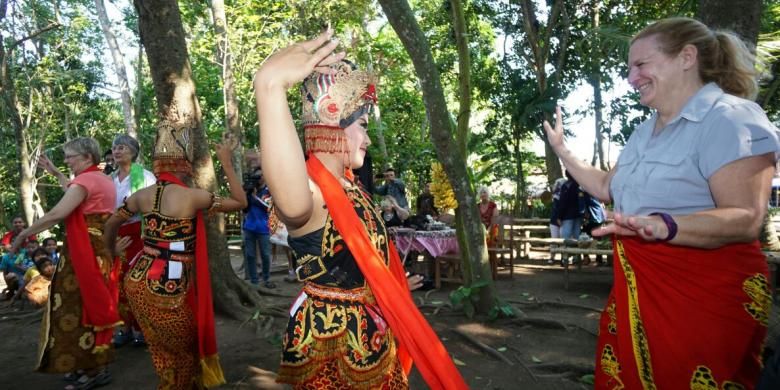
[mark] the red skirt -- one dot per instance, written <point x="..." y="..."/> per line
<point x="132" y="230"/>
<point x="680" y="317"/>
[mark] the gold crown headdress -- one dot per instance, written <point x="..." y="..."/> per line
<point x="332" y="102"/>
<point x="173" y="149"/>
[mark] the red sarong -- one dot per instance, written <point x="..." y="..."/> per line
<point x="680" y="317"/>
<point x="132" y="230"/>
<point x="98" y="295"/>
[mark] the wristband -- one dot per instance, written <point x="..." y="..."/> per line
<point x="671" y="226"/>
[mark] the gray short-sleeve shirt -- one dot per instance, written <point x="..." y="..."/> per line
<point x="669" y="172"/>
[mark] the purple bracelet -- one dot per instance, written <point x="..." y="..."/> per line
<point x="671" y="226"/>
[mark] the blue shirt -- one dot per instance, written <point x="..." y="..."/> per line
<point x="669" y="172"/>
<point x="256" y="219"/>
<point x="16" y="263"/>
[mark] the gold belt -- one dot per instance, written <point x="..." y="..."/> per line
<point x="360" y="294"/>
<point x="169" y="255"/>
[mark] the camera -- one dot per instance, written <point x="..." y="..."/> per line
<point x="252" y="181"/>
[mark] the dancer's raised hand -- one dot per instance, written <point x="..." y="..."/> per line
<point x="292" y="64"/>
<point x="555" y="134"/>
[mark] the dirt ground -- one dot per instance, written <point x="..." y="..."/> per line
<point x="550" y="346"/>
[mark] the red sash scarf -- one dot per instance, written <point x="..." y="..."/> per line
<point x="98" y="294"/>
<point x="679" y="316"/>
<point x="417" y="341"/>
<point x="200" y="300"/>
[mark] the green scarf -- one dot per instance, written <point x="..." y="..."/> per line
<point x="136" y="177"/>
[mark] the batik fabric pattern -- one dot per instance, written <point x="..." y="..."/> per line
<point x="158" y="296"/>
<point x="66" y="344"/>
<point x="336" y="337"/>
<point x="683" y="318"/>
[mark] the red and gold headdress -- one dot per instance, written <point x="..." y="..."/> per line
<point x="333" y="102"/>
<point x="173" y="146"/>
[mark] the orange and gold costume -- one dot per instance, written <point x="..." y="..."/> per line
<point x="336" y="334"/>
<point x="680" y="317"/>
<point x="159" y="288"/>
<point x="355" y="324"/>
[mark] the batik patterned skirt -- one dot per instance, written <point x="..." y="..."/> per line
<point x="337" y="339"/>
<point x="683" y="318"/>
<point x="65" y="344"/>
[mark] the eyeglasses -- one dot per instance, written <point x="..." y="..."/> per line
<point x="119" y="148"/>
<point x="69" y="156"/>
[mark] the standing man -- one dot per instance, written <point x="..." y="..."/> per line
<point x="571" y="208"/>
<point x="128" y="178"/>
<point x="394" y="187"/>
<point x="256" y="231"/>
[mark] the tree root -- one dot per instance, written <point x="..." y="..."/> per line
<point x="577" y="370"/>
<point x="484" y="347"/>
<point x="236" y="299"/>
<point x="525" y="366"/>
<point x="555" y="304"/>
<point x="584" y="329"/>
<point x="540" y="323"/>
<point x="270" y="293"/>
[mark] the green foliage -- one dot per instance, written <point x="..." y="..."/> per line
<point x="468" y="297"/>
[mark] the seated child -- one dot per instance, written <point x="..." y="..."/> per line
<point x="22" y="267"/>
<point x="50" y="244"/>
<point x="37" y="290"/>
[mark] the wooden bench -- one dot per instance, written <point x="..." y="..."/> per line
<point x="531" y="221"/>
<point x="502" y="253"/>
<point x="566" y="251"/>
<point x="451" y="264"/>
<point x="526" y="243"/>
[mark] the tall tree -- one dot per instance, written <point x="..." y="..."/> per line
<point x="539" y="38"/>
<point x="741" y="16"/>
<point x="232" y="117"/>
<point x="119" y="69"/>
<point x="162" y="35"/>
<point x="27" y="159"/>
<point x="476" y="267"/>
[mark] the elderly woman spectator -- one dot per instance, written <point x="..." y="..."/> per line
<point x="690" y="303"/>
<point x="78" y="327"/>
<point x="128" y="177"/>
<point x="488" y="211"/>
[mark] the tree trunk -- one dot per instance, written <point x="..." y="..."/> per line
<point x="598" y="106"/>
<point x="538" y="38"/>
<point x="232" y="118"/>
<point x="464" y="76"/>
<point x="139" y="87"/>
<point x="119" y="68"/>
<point x="471" y="237"/>
<point x="162" y="35"/>
<point x="10" y="100"/>
<point x="740" y="16"/>
<point x="595" y="82"/>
